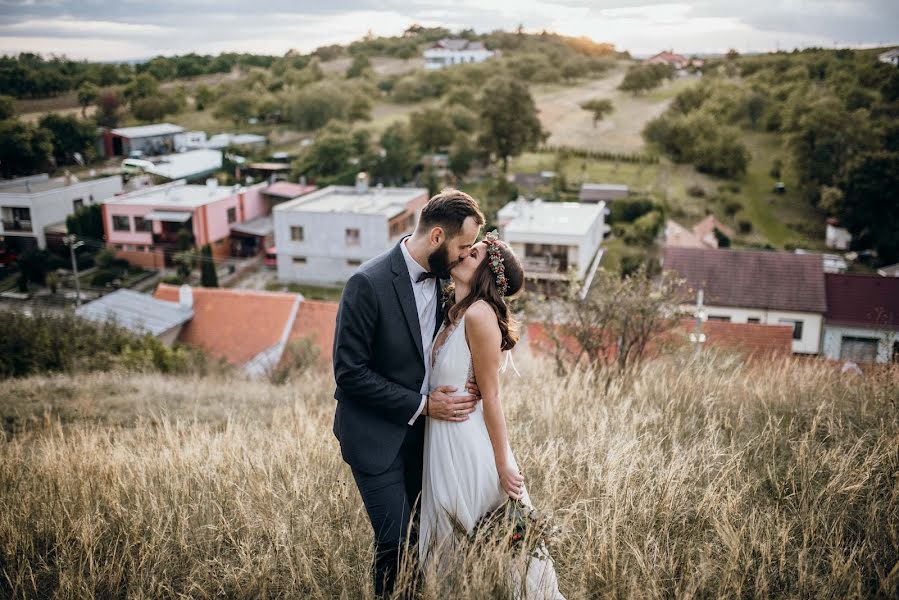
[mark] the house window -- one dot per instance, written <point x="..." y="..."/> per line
<point x="296" y="234"/>
<point x="121" y="223"/>
<point x="352" y="237"/>
<point x="722" y="318"/>
<point x="299" y="260"/>
<point x="753" y="320"/>
<point x="797" y="327"/>
<point x="141" y="248"/>
<point x="91" y="198"/>
<point x="117" y="246"/>
<point x="858" y="349"/>
<point x="353" y="262"/>
<point x="141" y="224"/>
<point x="77" y="203"/>
<point x="232" y="214"/>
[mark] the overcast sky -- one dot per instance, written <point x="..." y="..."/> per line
<point x="129" y="29"/>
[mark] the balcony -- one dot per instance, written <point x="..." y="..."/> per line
<point x="13" y="225"/>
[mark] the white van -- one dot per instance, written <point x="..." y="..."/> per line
<point x="135" y="166"/>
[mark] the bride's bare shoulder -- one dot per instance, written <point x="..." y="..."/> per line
<point x="480" y="319"/>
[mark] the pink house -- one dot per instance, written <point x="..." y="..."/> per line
<point x="143" y="226"/>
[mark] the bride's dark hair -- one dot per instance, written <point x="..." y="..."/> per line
<point x="483" y="287"/>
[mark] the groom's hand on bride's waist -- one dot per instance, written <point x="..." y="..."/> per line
<point x="441" y="405"/>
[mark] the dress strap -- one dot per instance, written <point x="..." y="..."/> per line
<point x="507" y="362"/>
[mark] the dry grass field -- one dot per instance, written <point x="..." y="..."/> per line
<point x="709" y="479"/>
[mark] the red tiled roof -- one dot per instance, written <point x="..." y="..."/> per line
<point x="317" y="319"/>
<point x="868" y="301"/>
<point x="234" y="324"/>
<point x="751" y="278"/>
<point x="285" y="189"/>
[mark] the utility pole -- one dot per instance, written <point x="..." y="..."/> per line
<point x="698" y="337"/>
<point x="71" y="242"/>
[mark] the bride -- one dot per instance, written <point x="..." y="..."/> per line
<point x="469" y="468"/>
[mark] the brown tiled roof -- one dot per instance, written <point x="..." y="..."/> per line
<point x="868" y="301"/>
<point x="751" y="339"/>
<point x="234" y="324"/>
<point x="317" y="320"/>
<point x="752" y="278"/>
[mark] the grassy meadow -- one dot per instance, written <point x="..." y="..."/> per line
<point x="709" y="479"/>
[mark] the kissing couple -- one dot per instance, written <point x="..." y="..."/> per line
<point x="419" y="416"/>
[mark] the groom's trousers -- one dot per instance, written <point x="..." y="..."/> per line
<point x="392" y="501"/>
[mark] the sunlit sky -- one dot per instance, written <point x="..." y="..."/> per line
<point x="132" y="29"/>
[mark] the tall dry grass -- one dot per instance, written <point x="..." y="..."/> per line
<point x="714" y="480"/>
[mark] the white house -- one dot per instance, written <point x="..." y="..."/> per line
<point x="448" y="52"/>
<point x="891" y="57"/>
<point x="836" y="237"/>
<point x="29" y="205"/>
<point x="862" y="319"/>
<point x="323" y="237"/>
<point x="551" y="237"/>
<point x="749" y="286"/>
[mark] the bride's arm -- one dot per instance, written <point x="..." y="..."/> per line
<point x="485" y="340"/>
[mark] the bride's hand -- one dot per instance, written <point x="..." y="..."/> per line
<point x="512" y="481"/>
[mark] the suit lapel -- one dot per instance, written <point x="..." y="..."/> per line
<point x="402" y="284"/>
<point x="439" y="320"/>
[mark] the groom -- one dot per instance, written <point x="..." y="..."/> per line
<point x="389" y="313"/>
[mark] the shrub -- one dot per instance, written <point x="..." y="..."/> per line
<point x="627" y="210"/>
<point x="744" y="226"/>
<point x="696" y="191"/>
<point x="732" y="207"/>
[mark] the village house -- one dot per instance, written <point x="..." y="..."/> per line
<point x="139" y="313"/>
<point x="889" y="271"/>
<point x="749" y="286"/>
<point x="250" y="329"/>
<point x="701" y="235"/>
<point x="448" y="52"/>
<point x="142" y="226"/>
<point x="602" y="192"/>
<point x="552" y="237"/>
<point x="143" y="140"/>
<point x="862" y="319"/>
<point x="34" y="209"/>
<point x="324" y="236"/>
<point x="890" y="57"/>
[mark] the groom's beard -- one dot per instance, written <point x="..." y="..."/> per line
<point x="440" y="262"/>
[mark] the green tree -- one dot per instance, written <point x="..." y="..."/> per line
<point x="399" y="154"/>
<point x="509" y="122"/>
<point x="431" y="129"/>
<point x="203" y="97"/>
<point x="869" y="207"/>
<point x="236" y="106"/>
<point x="359" y="66"/>
<point x="329" y="156"/>
<point x="7" y="107"/>
<point x="86" y="222"/>
<point x="142" y="86"/>
<point x="642" y="78"/>
<point x="461" y="155"/>
<point x="208" y="276"/>
<point x="25" y="148"/>
<point x="599" y="107"/>
<point x="87" y="95"/>
<point x="68" y="135"/>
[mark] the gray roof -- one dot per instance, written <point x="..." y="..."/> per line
<point x="140" y="313"/>
<point x="260" y="226"/>
<point x="143" y="131"/>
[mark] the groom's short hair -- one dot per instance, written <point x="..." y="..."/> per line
<point x="449" y="209"/>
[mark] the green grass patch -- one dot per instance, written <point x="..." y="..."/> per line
<point x="311" y="292"/>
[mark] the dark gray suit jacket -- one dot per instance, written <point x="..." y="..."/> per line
<point x="378" y="362"/>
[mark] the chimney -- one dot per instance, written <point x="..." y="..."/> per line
<point x="68" y="177"/>
<point x="186" y="296"/>
<point x="28" y="185"/>
<point x="302" y="180"/>
<point x="212" y="184"/>
<point x="362" y="183"/>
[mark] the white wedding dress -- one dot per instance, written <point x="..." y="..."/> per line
<point x="460" y="475"/>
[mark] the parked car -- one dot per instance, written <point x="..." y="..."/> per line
<point x="7" y="257"/>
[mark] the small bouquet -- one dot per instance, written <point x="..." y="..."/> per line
<point x="515" y="525"/>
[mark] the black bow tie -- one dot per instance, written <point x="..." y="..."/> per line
<point x="425" y="276"/>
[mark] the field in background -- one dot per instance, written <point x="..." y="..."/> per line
<point x="715" y="479"/>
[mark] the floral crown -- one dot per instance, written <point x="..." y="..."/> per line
<point x="495" y="260"/>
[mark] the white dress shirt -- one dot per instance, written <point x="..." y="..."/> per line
<point x="426" y="305"/>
